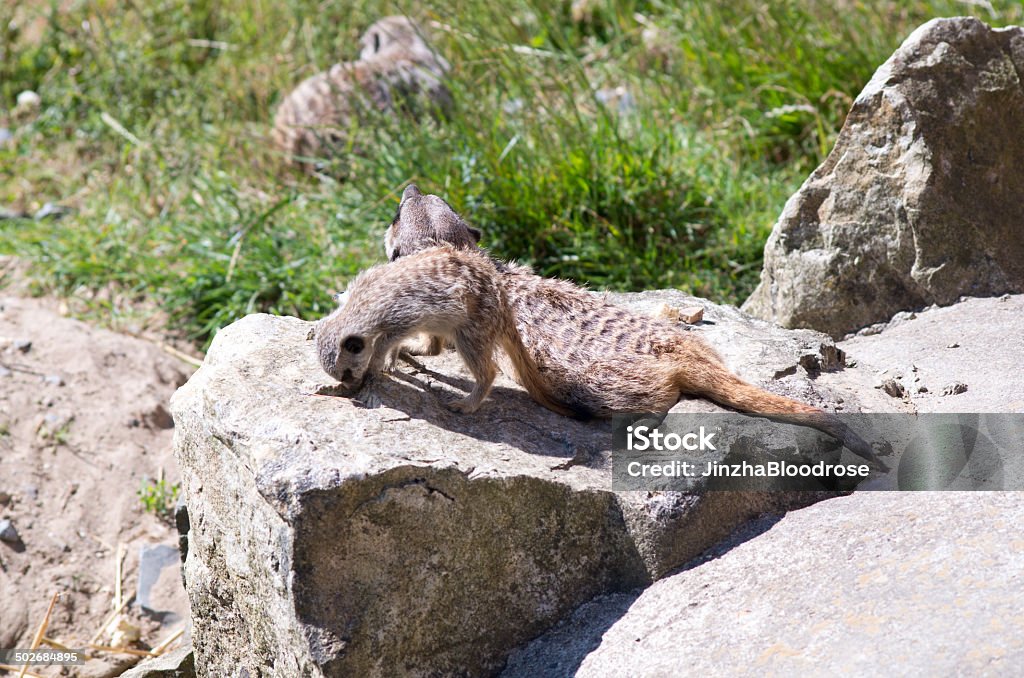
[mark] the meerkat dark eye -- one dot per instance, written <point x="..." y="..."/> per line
<point x="353" y="345"/>
<point x="475" y="233"/>
<point x="376" y="42"/>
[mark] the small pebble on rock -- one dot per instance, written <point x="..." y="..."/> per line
<point x="691" y="315"/>
<point x="8" y="533"/>
<point x="955" y="388"/>
<point x="893" y="388"/>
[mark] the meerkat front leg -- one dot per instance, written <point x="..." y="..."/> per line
<point x="478" y="353"/>
<point x="385" y="355"/>
<point x="399" y="349"/>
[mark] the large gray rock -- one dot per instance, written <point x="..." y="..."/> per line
<point x="912" y="584"/>
<point x="387" y="535"/>
<point x="922" y="198"/>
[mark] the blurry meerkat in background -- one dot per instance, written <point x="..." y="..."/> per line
<point x="395" y="66"/>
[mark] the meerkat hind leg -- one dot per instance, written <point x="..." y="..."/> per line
<point x="428" y="345"/>
<point x="425" y="345"/>
<point x="479" y="358"/>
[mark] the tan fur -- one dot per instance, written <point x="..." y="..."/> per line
<point x="597" y="359"/>
<point x="434" y="225"/>
<point x="442" y="292"/>
<point x="395" y="65"/>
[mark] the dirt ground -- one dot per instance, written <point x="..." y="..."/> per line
<point x="83" y="425"/>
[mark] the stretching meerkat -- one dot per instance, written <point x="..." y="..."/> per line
<point x="443" y="292"/>
<point x="596" y="359"/>
<point x="395" y="65"/>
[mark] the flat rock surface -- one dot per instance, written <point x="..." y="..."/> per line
<point x="875" y="583"/>
<point x="977" y="342"/>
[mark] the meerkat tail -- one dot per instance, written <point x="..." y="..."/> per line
<point x="725" y="388"/>
<point x="526" y="373"/>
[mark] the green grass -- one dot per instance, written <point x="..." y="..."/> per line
<point x="159" y="142"/>
<point x="159" y="497"/>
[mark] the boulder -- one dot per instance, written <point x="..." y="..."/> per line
<point x="922" y="199"/>
<point x="384" y="534"/>
<point x="924" y="583"/>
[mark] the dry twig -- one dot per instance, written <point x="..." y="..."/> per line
<point x="163" y="645"/>
<point x="8" y="667"/>
<point x="38" y="638"/>
<point x="122" y="650"/>
<point x="111" y="617"/>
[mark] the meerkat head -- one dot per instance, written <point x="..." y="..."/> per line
<point x="344" y="350"/>
<point x="393" y="33"/>
<point x="425" y="220"/>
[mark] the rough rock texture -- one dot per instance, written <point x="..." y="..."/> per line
<point x="920" y="583"/>
<point x="871" y="584"/>
<point x="922" y="198"/>
<point x="384" y="535"/>
<point x="179" y="663"/>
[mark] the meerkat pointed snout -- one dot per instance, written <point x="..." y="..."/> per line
<point x="346" y="361"/>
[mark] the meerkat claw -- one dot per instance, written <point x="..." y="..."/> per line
<point x="463" y="406"/>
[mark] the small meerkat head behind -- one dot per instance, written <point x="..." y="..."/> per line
<point x="392" y="32"/>
<point x="426" y="220"/>
<point x="344" y="350"/>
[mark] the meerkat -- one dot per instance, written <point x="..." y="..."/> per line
<point x="426" y="209"/>
<point x="596" y="359"/>
<point x="440" y="291"/>
<point x="395" y="65"/>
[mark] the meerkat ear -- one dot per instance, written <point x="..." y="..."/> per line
<point x="411" y="191"/>
<point x="476" y="233"/>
